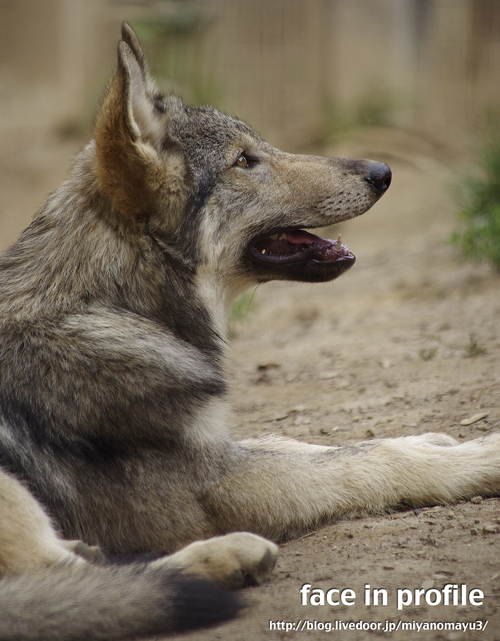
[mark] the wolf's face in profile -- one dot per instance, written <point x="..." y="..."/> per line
<point x="229" y="206"/>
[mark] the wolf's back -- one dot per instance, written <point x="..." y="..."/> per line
<point x="89" y="603"/>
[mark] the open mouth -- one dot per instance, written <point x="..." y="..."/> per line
<point x="299" y="246"/>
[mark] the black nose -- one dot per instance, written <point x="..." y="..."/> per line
<point x="379" y="176"/>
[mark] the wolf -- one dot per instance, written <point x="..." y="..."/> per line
<point x="113" y="413"/>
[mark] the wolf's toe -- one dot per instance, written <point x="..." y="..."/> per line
<point x="234" y="560"/>
<point x="255" y="555"/>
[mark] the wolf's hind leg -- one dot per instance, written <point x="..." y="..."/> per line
<point x="233" y="560"/>
<point x="48" y="592"/>
<point x="27" y="538"/>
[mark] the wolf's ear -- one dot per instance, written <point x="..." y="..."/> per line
<point x="133" y="168"/>
<point x="128" y="36"/>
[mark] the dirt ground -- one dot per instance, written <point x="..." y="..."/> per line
<point x="406" y="342"/>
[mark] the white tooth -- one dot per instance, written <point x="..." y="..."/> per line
<point x="274" y="237"/>
<point x="283" y="236"/>
<point x="339" y="243"/>
<point x="263" y="251"/>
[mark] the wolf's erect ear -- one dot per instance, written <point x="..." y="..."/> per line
<point x="133" y="169"/>
<point x="128" y="36"/>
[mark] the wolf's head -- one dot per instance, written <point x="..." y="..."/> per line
<point x="207" y="186"/>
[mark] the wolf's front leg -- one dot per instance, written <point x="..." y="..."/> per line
<point x="280" y="488"/>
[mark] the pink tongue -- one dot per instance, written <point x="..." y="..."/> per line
<point x="301" y="237"/>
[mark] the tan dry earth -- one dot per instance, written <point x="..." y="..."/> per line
<point x="407" y="342"/>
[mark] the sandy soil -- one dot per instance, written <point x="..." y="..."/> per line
<point x="407" y="342"/>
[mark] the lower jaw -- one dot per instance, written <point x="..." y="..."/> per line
<point x="308" y="271"/>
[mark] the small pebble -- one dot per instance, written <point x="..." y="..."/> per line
<point x="474" y="419"/>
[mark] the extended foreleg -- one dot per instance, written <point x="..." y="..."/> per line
<point x="279" y="488"/>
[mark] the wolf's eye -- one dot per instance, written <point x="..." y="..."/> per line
<point x="242" y="161"/>
<point x="245" y="160"/>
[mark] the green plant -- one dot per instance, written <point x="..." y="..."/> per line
<point x="480" y="236"/>
<point x="241" y="306"/>
<point x="473" y="348"/>
<point x="239" y="310"/>
<point x="428" y="354"/>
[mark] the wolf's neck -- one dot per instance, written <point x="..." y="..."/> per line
<point x="214" y="296"/>
<point x="218" y="298"/>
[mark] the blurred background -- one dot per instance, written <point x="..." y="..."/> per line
<point x="304" y="73"/>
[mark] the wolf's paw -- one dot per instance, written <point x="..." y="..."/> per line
<point x="90" y="553"/>
<point x="234" y="560"/>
